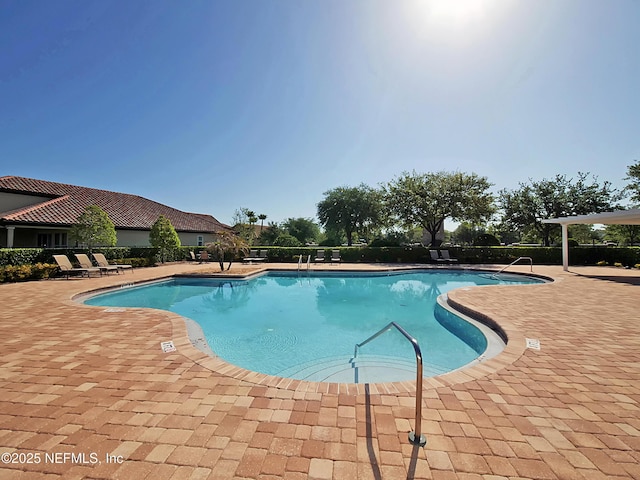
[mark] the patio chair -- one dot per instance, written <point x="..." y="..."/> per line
<point x="101" y="260"/>
<point x="435" y="257"/>
<point x="335" y="257"/>
<point x="84" y="262"/>
<point x="204" y="256"/>
<point x="64" y="264"/>
<point x="262" y="255"/>
<point x="192" y="256"/>
<point x="252" y="257"/>
<point x="319" y="257"/>
<point x="447" y="258"/>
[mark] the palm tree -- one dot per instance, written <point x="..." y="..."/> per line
<point x="262" y="218"/>
<point x="227" y="245"/>
<point x="252" y="219"/>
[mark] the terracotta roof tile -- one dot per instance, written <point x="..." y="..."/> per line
<point x="69" y="201"/>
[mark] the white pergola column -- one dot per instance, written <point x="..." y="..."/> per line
<point x="10" y="232"/>
<point x="565" y="247"/>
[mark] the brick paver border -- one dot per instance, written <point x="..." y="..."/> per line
<point x="79" y="381"/>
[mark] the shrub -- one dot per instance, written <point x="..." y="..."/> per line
<point x="93" y="227"/>
<point x="572" y="243"/>
<point x="602" y="263"/>
<point x="330" y="242"/>
<point x="21" y="256"/>
<point x="164" y="238"/>
<point x="43" y="270"/>
<point x="134" y="262"/>
<point x="21" y="273"/>
<point x="384" y="242"/>
<point x="286" y="240"/>
<point x="486" y="240"/>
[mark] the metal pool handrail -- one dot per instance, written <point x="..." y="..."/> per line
<point x="416" y="436"/>
<point x="513" y="263"/>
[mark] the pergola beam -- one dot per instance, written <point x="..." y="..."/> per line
<point x="619" y="217"/>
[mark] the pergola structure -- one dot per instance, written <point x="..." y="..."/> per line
<point x="619" y="217"/>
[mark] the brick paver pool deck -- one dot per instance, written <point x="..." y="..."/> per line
<point x="76" y="379"/>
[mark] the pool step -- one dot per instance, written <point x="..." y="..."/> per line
<point x="363" y="369"/>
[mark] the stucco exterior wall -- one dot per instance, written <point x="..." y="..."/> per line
<point x="12" y="201"/>
<point x="140" y="238"/>
<point x="188" y="238"/>
<point x="28" y="237"/>
<point x="132" y="238"/>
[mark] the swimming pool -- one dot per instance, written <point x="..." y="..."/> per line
<point x="306" y="326"/>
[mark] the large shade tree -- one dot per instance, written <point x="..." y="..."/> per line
<point x="525" y="207"/>
<point x="352" y="210"/>
<point x="304" y="229"/>
<point x="633" y="187"/>
<point x="94" y="228"/>
<point x="427" y="199"/>
<point x="628" y="234"/>
<point x="623" y="234"/>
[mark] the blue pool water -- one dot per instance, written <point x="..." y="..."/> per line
<point x="296" y="325"/>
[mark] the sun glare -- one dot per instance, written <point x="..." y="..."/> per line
<point x="454" y="11"/>
<point x="459" y="20"/>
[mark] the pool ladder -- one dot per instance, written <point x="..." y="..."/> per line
<point x="416" y="436"/>
<point x="495" y="275"/>
<point x="308" y="262"/>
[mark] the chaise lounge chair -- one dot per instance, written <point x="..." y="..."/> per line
<point x="252" y="257"/>
<point x="319" y="257"/>
<point x="84" y="262"/>
<point x="435" y="257"/>
<point x="262" y="255"/>
<point x="447" y="258"/>
<point x="335" y="257"/>
<point x="64" y="264"/>
<point x="101" y="260"/>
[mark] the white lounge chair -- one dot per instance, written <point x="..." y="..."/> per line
<point x="84" y="262"/>
<point x="66" y="268"/>
<point x="101" y="260"/>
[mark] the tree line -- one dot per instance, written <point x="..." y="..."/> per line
<point x="400" y="210"/>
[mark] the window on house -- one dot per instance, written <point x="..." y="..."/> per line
<point x="52" y="240"/>
<point x="200" y="240"/>
<point x="44" y="240"/>
<point x="60" y="240"/>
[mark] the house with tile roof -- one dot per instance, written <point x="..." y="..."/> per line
<point x="38" y="213"/>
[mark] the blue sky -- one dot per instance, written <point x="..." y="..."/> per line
<point x="209" y="106"/>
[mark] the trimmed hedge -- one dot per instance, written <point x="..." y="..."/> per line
<point x="21" y="256"/>
<point x="30" y="256"/>
<point x="627" y="256"/>
<point x="21" y="273"/>
<point x="20" y="264"/>
<point x="146" y="256"/>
